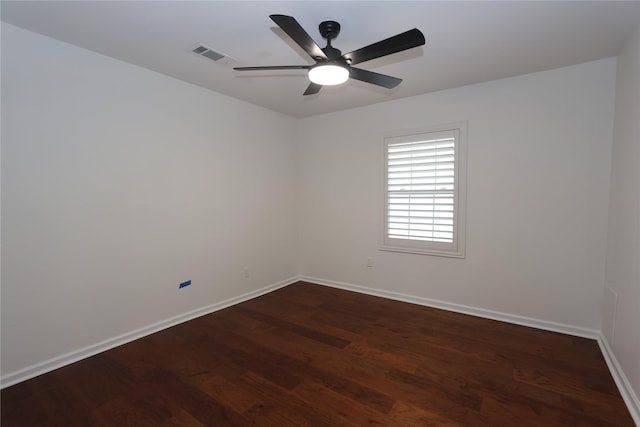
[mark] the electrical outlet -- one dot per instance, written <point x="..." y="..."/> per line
<point x="369" y="262"/>
<point x="246" y="271"/>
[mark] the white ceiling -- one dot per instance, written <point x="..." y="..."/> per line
<point x="467" y="42"/>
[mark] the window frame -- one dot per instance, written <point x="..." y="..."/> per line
<point x="457" y="249"/>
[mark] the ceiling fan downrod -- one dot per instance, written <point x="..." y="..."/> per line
<point x="329" y="30"/>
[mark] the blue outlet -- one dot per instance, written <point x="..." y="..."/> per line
<point x="184" y="284"/>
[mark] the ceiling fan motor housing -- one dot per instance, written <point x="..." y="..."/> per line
<point x="329" y="30"/>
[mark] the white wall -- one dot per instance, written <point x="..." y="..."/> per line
<point x="621" y="323"/>
<point x="538" y="181"/>
<point x="119" y="183"/>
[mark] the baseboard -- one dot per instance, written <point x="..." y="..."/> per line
<point x="626" y="390"/>
<point x="458" y="308"/>
<point x="74" y="356"/>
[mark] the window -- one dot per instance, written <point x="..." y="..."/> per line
<point x="425" y="176"/>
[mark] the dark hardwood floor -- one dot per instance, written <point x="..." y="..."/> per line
<point x="308" y="355"/>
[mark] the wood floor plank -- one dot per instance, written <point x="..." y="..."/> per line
<point x="281" y="409"/>
<point x="288" y="354"/>
<point x="349" y="411"/>
<point x="310" y="355"/>
<point x="404" y="414"/>
<point x="301" y="330"/>
<point x="201" y="406"/>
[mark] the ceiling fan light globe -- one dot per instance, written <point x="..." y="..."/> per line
<point x="328" y="74"/>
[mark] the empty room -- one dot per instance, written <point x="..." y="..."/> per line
<point x="320" y="213"/>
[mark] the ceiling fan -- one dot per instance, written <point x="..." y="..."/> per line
<point x="332" y="67"/>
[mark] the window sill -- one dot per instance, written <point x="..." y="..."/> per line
<point x="431" y="252"/>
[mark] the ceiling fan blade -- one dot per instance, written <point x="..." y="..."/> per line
<point x="374" y="78"/>
<point x="274" y="67"/>
<point x="290" y="26"/>
<point x="312" y="89"/>
<point x="397" y="43"/>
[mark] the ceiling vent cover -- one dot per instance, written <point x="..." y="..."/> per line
<point x="215" y="56"/>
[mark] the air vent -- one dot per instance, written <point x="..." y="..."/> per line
<point x="215" y="56"/>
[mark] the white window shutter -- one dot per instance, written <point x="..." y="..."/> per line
<point x="422" y="192"/>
